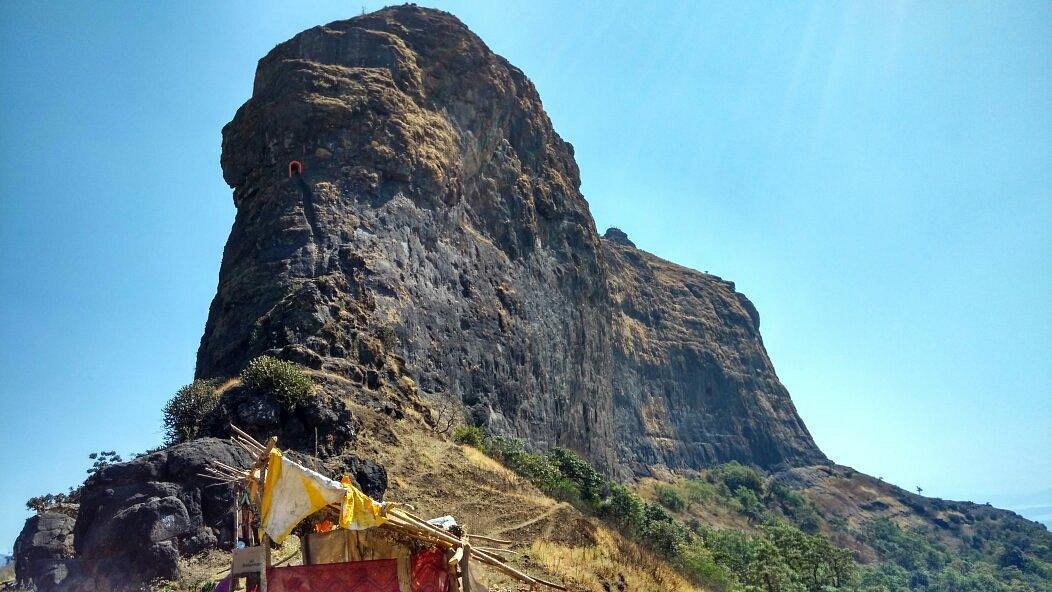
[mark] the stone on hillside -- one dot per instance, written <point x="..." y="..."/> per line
<point x="43" y="550"/>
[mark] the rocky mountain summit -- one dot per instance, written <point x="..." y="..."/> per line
<point x="410" y="228"/>
<point x="437" y="237"/>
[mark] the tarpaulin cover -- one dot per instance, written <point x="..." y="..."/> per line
<point x="292" y="492"/>
<point x="359" y="511"/>
<point x="430" y="572"/>
<point x="379" y="575"/>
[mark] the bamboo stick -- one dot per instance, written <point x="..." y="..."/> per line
<point x="246" y="447"/>
<point x="495" y="552"/>
<point x="228" y="467"/>
<point x="240" y="435"/>
<point x="511" y="571"/>
<point x="251" y="451"/>
<point x="551" y="584"/>
<point x="491" y="552"/>
<point x="491" y="539"/>
<point x="223" y="474"/>
<point x="224" y="471"/>
<point x="245" y="435"/>
<point x="220" y="480"/>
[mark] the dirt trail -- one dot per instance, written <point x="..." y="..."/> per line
<point x="544" y="516"/>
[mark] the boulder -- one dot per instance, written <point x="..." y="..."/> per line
<point x="43" y="550"/>
<point x="323" y="422"/>
<point x="616" y="235"/>
<point x="138" y="518"/>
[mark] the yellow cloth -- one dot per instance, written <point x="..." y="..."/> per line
<point x="291" y="493"/>
<point x="359" y="511"/>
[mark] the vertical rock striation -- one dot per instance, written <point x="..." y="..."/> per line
<point x="437" y="238"/>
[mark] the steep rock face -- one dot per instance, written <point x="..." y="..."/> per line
<point x="437" y="242"/>
<point x="692" y="379"/>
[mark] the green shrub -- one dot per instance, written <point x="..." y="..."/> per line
<point x="590" y="483"/>
<point x="103" y="459"/>
<point x="535" y="467"/>
<point x="907" y="548"/>
<point x="750" y="504"/>
<point x="698" y="491"/>
<point x="624" y="508"/>
<point x="49" y="501"/>
<point x="185" y="411"/>
<point x="734" y="475"/>
<point x="696" y="560"/>
<point x="283" y="380"/>
<point x="471" y="436"/>
<point x="670" y="498"/>
<point x="667" y="537"/>
<point x="565" y="490"/>
<point x="785" y="496"/>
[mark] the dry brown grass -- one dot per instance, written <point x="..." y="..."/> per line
<point x="553" y="539"/>
<point x="611" y="560"/>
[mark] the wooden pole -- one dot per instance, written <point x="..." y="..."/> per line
<point x="262" y="462"/>
<point x="266" y="563"/>
<point x="235" y="582"/>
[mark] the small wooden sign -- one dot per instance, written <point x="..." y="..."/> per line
<point x="247" y="561"/>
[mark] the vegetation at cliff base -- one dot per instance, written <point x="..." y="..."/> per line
<point x="283" y="380"/>
<point x="789" y="545"/>
<point x="185" y="411"/>
<point x="1000" y="558"/>
<point x="779" y="557"/>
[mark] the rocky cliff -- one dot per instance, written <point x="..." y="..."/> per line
<point x="410" y="227"/>
<point x="436" y="244"/>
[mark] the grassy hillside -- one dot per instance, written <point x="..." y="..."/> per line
<point x="733" y="528"/>
<point x="729" y="528"/>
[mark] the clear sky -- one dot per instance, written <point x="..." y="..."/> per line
<point x="875" y="177"/>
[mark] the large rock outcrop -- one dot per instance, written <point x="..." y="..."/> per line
<point x="136" y="519"/>
<point x="437" y="238"/>
<point x="692" y="379"/>
<point x="43" y="550"/>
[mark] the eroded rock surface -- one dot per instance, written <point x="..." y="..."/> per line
<point x="43" y="550"/>
<point x="437" y="238"/>
<point x="137" y="518"/>
<point x="692" y="380"/>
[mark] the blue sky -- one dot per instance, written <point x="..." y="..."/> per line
<point x="875" y="177"/>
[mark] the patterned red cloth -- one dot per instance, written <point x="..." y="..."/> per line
<point x="378" y="575"/>
<point x="430" y="572"/>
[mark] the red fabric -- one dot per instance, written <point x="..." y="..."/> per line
<point x="378" y="575"/>
<point x="430" y="572"/>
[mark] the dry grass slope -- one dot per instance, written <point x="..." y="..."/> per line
<point x="553" y="539"/>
